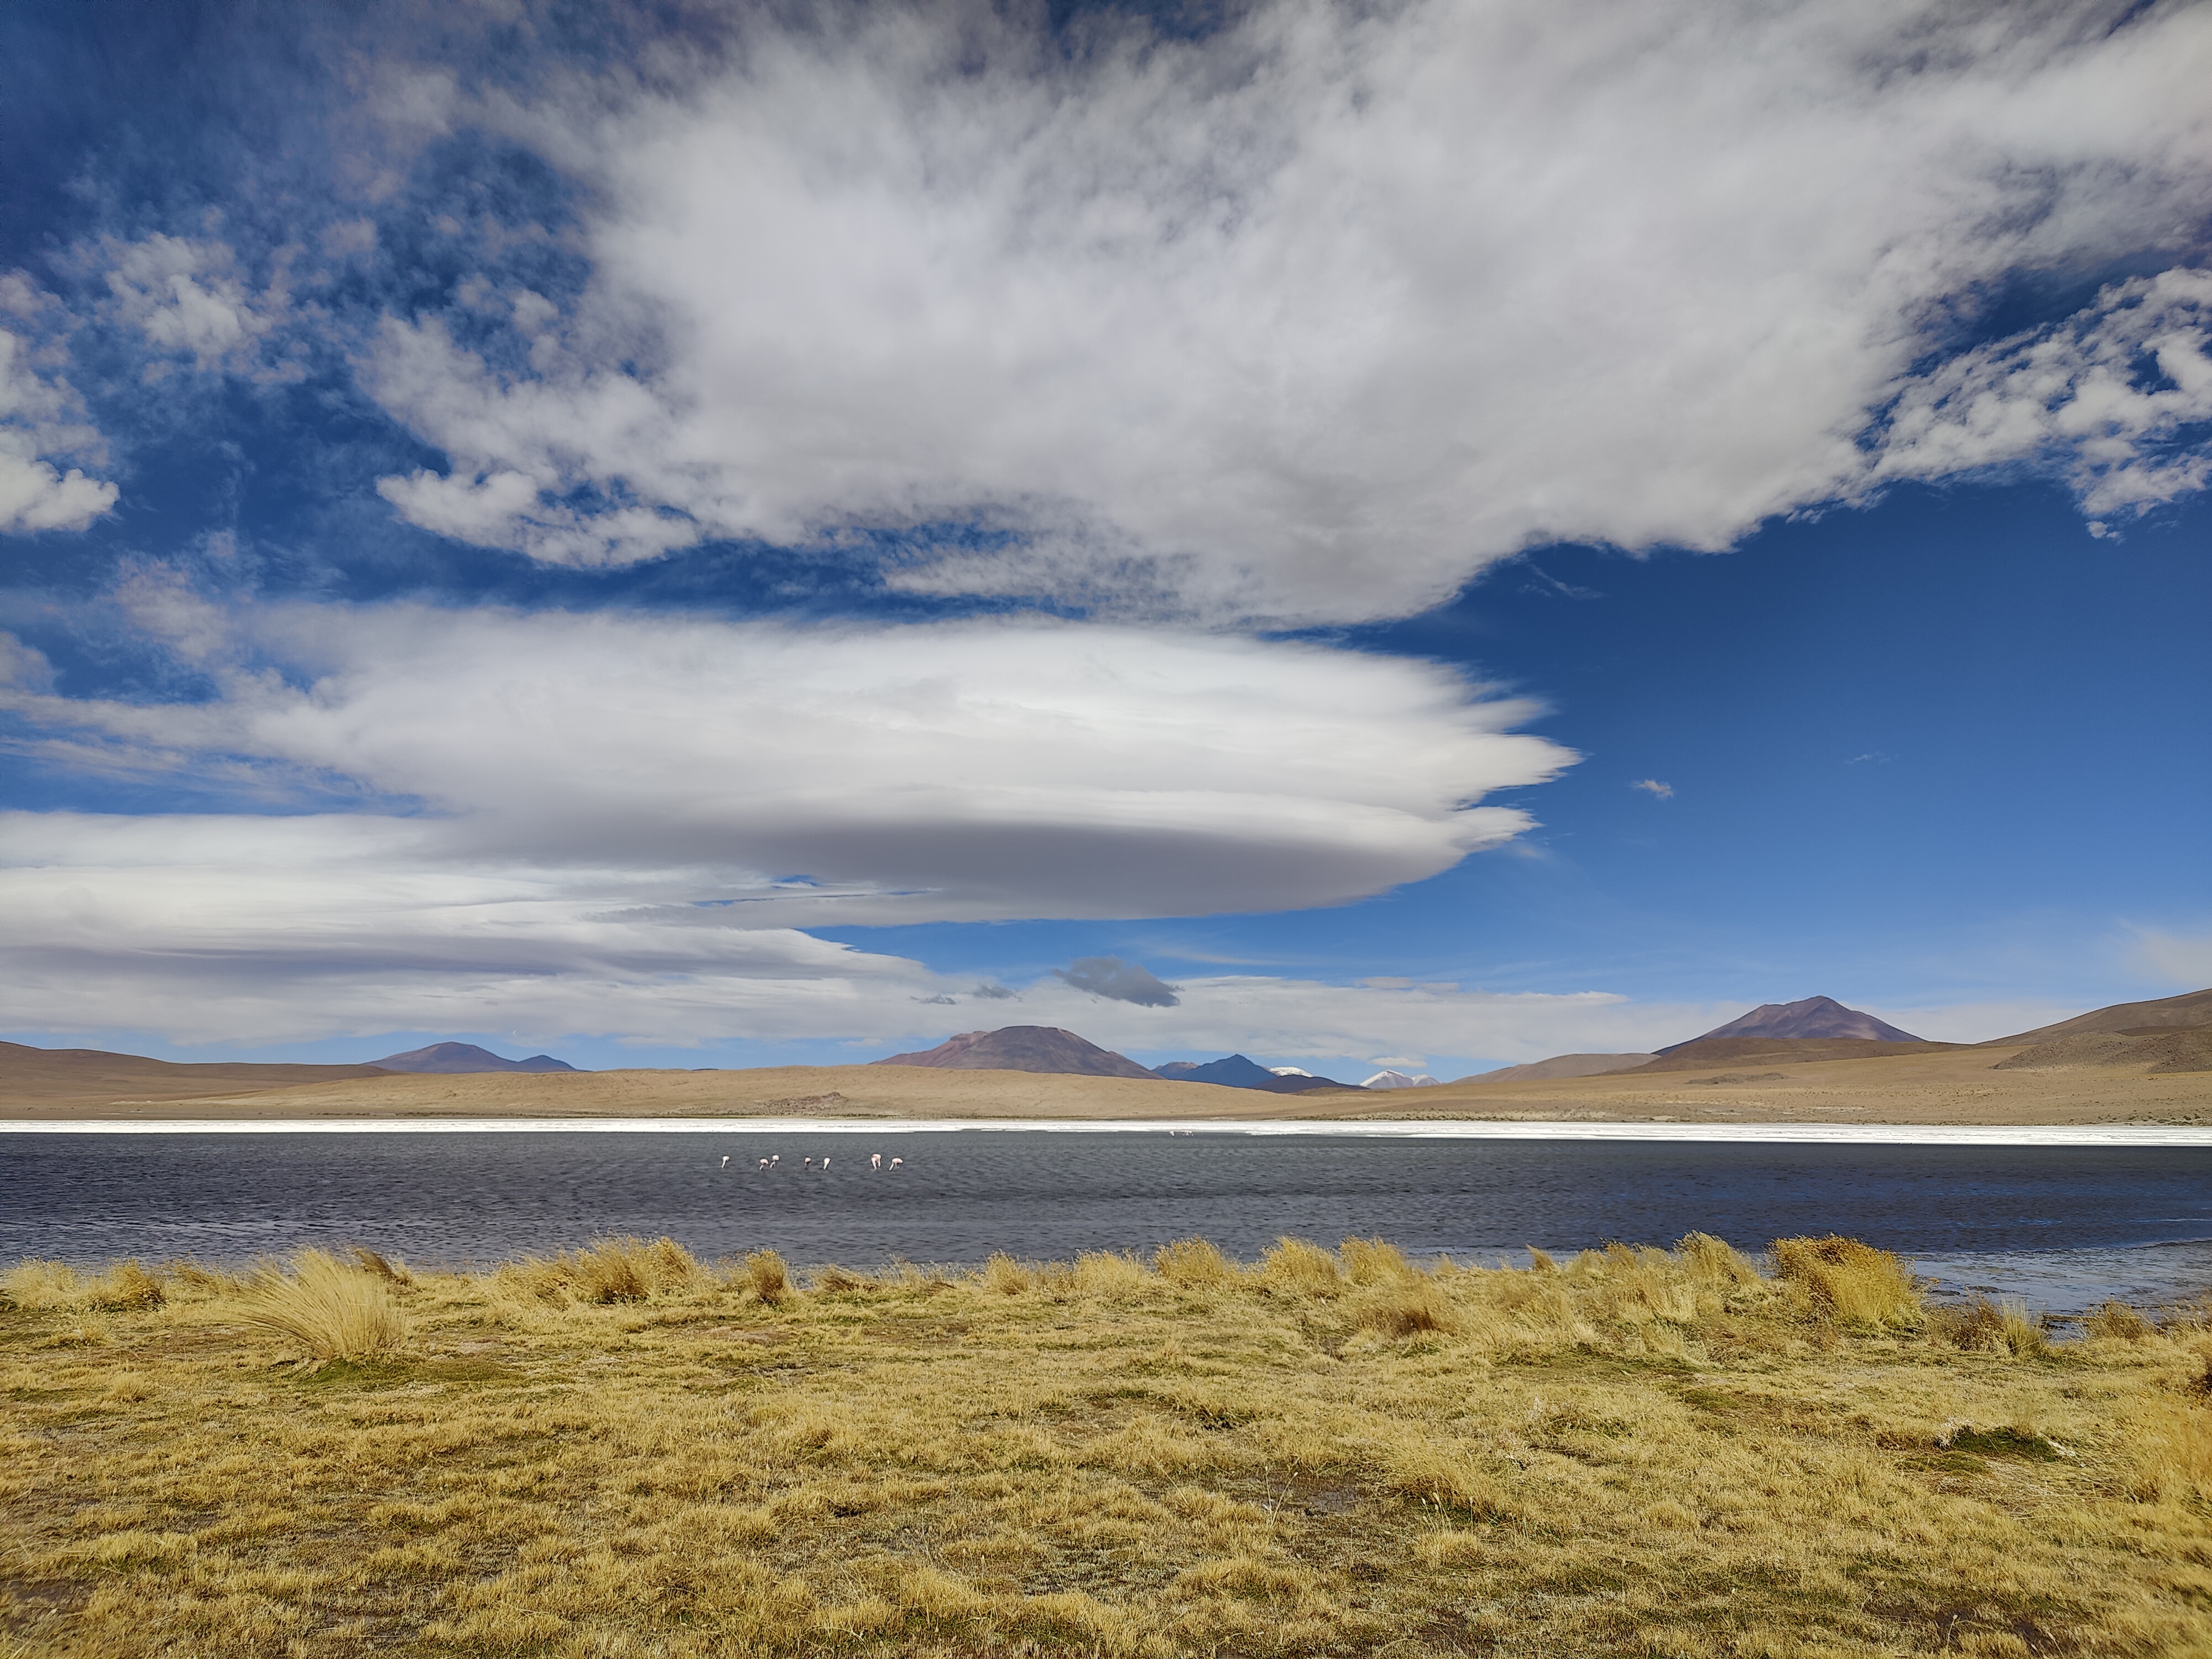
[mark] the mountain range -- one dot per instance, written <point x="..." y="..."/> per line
<point x="1235" y="1072"/>
<point x="1814" y="1028"/>
<point x="464" y="1059"/>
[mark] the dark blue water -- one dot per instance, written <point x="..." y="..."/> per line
<point x="469" y="1197"/>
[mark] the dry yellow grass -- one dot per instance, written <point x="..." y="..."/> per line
<point x="623" y="1451"/>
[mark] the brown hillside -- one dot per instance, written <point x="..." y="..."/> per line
<point x="1706" y="1053"/>
<point x="2158" y="1049"/>
<point x="1537" y="1070"/>
<point x="48" y="1075"/>
<point x="2191" y="1008"/>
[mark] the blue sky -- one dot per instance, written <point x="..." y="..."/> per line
<point x="1442" y="538"/>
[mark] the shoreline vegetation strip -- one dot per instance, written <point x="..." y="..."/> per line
<point x="1908" y="1134"/>
<point x="622" y="1449"/>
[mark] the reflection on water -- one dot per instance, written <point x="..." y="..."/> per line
<point x="2061" y="1227"/>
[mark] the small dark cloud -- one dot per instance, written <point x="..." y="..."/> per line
<point x="1123" y="981"/>
<point x="942" y="1002"/>
<point x="991" y="993"/>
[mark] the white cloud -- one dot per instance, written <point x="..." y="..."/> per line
<point x="1653" y="787"/>
<point x="190" y="298"/>
<point x="274" y="928"/>
<point x="608" y="801"/>
<point x="245" y="929"/>
<point x="42" y="421"/>
<point x="2076" y="397"/>
<point x="1312" y="318"/>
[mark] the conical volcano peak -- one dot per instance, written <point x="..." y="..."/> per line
<point x="1812" y="1018"/>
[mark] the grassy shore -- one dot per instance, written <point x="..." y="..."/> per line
<point x="626" y="1452"/>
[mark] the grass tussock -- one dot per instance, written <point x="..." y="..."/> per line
<point x="769" y="1277"/>
<point x="619" y="1451"/>
<point x="1856" y="1283"/>
<point x="2000" y="1328"/>
<point x="332" y="1311"/>
<point x="121" y="1287"/>
<point x="2118" y="1322"/>
<point x="608" y="1270"/>
<point x="1194" y="1264"/>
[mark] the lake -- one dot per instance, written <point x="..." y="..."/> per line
<point x="2063" y="1226"/>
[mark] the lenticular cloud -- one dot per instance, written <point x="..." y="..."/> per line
<point x="566" y="823"/>
<point x="1311" y="318"/>
<point x="706" y="773"/>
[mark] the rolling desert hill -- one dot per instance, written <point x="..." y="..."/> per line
<point x="1703" y="1053"/>
<point x="1734" y="1080"/>
<point x="95" y="1075"/>
<point x="1540" y="1071"/>
<point x="1815" y="1019"/>
<point x="2172" y="1034"/>
<point x="1025" y="1049"/>
<point x="2189" y="1010"/>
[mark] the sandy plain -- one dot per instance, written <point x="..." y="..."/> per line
<point x="1952" y="1086"/>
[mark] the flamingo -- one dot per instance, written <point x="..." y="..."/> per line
<point x="897" y="1162"/>
<point x="875" y="1160"/>
<point x="726" y="1160"/>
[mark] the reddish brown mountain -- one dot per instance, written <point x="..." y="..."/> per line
<point x="1815" y="1018"/>
<point x="1024" y="1048"/>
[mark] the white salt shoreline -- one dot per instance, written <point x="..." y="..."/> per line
<point x="1841" y="1134"/>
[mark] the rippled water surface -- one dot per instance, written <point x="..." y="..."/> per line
<point x="2063" y="1226"/>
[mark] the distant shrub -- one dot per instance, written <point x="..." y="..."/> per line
<point x="1856" y="1282"/>
<point x="1193" y="1264"/>
<point x="836" y="1280"/>
<point x="332" y="1311"/>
